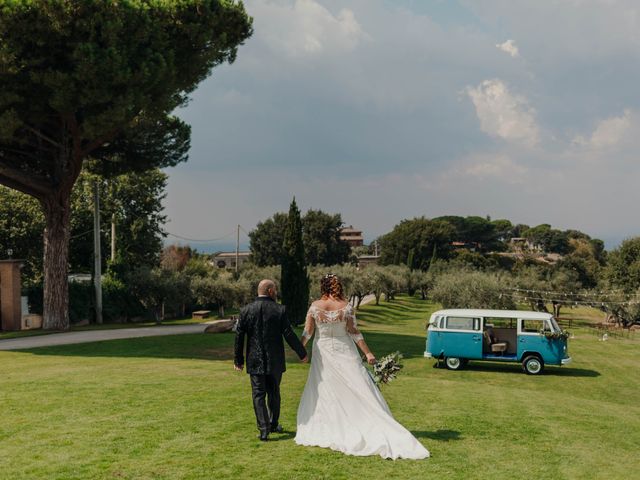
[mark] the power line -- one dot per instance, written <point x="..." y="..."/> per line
<point x="103" y="229"/>
<point x="84" y="233"/>
<point x="200" y="240"/>
<point x="234" y="232"/>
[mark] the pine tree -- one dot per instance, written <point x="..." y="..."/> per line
<point x="295" y="281"/>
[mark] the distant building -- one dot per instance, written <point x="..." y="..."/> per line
<point x="365" y="260"/>
<point x="548" y="258"/>
<point x="352" y="236"/>
<point x="471" y="246"/>
<point x="521" y="243"/>
<point x="82" y="277"/>
<point x="228" y="259"/>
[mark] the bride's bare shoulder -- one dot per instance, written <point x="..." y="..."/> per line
<point x="329" y="305"/>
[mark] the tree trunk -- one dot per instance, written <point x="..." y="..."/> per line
<point x="57" y="213"/>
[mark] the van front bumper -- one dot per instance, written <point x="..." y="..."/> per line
<point x="565" y="361"/>
<point x="427" y="355"/>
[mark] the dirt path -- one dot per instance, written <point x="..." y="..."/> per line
<point x="97" y="336"/>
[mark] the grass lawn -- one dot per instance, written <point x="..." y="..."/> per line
<point x="173" y="408"/>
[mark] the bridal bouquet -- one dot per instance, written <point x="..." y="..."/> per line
<point x="387" y="368"/>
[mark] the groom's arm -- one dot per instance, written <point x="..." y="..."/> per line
<point x="291" y="337"/>
<point x="241" y="330"/>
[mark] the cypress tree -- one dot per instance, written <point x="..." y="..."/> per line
<point x="294" y="278"/>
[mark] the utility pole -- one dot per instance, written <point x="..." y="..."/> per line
<point x="113" y="237"/>
<point x="96" y="252"/>
<point x="375" y="243"/>
<point x="237" y="247"/>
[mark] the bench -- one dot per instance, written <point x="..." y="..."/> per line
<point x="201" y="314"/>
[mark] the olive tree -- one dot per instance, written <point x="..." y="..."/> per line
<point x="467" y="289"/>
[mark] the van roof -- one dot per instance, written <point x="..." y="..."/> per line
<point x="479" y="312"/>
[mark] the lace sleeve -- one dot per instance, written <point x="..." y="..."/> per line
<point x="352" y="325"/>
<point x="309" y="324"/>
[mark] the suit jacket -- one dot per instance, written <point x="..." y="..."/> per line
<point x="264" y="323"/>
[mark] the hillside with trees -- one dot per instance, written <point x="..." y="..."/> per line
<point x="456" y="261"/>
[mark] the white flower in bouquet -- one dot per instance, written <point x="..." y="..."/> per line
<point x="386" y="368"/>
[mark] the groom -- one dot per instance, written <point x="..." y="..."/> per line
<point x="264" y="322"/>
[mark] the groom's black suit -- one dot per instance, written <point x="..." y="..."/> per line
<point x="264" y="322"/>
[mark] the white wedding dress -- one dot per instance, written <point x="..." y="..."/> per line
<point x="341" y="408"/>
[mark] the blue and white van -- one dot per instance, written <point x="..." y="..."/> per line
<point x="533" y="339"/>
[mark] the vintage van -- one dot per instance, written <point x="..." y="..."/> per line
<point x="533" y="339"/>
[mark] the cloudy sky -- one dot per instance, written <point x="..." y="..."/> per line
<point x="388" y="109"/>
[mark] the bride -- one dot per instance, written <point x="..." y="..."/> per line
<point x="341" y="408"/>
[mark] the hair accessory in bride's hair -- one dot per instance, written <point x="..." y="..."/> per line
<point x="330" y="285"/>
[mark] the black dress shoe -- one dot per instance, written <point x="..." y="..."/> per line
<point x="264" y="436"/>
<point x="277" y="429"/>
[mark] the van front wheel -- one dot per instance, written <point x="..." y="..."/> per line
<point x="453" y="363"/>
<point x="533" y="365"/>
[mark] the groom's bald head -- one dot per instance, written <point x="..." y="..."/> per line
<point x="267" y="287"/>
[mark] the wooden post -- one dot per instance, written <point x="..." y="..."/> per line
<point x="237" y="247"/>
<point x="97" y="268"/>
<point x="113" y="237"/>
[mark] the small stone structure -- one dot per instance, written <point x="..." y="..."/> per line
<point x="30" y="321"/>
<point x="366" y="260"/>
<point x="221" y="326"/>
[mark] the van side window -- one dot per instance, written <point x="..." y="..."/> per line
<point x="500" y="322"/>
<point x="463" y="323"/>
<point x="534" y="326"/>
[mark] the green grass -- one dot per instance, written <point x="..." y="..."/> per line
<point x="173" y="408"/>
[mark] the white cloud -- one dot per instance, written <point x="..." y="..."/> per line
<point x="496" y="167"/>
<point x="305" y="28"/>
<point x="510" y="47"/>
<point x="608" y="133"/>
<point x="503" y="114"/>
<point x="370" y="90"/>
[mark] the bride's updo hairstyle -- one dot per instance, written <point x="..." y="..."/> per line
<point x="330" y="285"/>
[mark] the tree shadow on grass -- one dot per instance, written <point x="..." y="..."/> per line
<point x="393" y="314"/>
<point x="207" y="346"/>
<point x="440" y="435"/>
